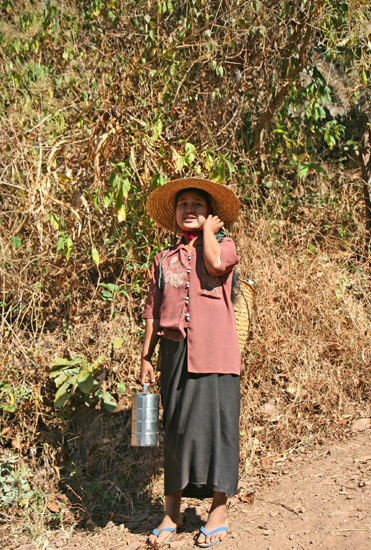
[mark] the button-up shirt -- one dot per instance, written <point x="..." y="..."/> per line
<point x="193" y="300"/>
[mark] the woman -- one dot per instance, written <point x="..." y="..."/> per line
<point x="189" y="307"/>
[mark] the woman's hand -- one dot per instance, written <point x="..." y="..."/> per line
<point x="213" y="224"/>
<point x="147" y="371"/>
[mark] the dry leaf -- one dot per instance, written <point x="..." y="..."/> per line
<point x="16" y="443"/>
<point x="52" y="506"/>
<point x="248" y="497"/>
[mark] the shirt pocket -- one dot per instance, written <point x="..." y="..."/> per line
<point x="216" y="293"/>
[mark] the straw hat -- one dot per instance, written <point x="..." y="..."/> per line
<point x="161" y="202"/>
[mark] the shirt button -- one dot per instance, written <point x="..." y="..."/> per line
<point x="187" y="301"/>
<point x="187" y="317"/>
<point x="187" y="284"/>
<point x="189" y="257"/>
<point x="189" y="270"/>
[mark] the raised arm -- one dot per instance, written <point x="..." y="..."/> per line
<point x="212" y="248"/>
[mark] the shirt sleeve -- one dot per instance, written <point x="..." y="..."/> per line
<point x="154" y="298"/>
<point x="228" y="255"/>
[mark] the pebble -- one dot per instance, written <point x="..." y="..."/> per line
<point x="361" y="424"/>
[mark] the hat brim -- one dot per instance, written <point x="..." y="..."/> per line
<point x="161" y="202"/>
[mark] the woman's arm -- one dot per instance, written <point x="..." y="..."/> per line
<point x="149" y="344"/>
<point x="211" y="246"/>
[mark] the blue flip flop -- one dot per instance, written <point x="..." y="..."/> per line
<point x="204" y="532"/>
<point x="171" y="533"/>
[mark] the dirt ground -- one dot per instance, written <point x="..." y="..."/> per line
<point x="314" y="500"/>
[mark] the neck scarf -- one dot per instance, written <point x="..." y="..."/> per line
<point x="190" y="236"/>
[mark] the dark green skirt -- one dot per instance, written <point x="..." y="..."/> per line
<point x="201" y="421"/>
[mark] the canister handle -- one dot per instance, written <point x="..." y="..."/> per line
<point x="144" y="415"/>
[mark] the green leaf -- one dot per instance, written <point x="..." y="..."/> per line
<point x="101" y="359"/>
<point x="125" y="186"/>
<point x="95" y="200"/>
<point x="219" y="173"/>
<point x="95" y="256"/>
<point x="54" y="221"/>
<point x="111" y="286"/>
<point x="107" y="198"/>
<point x="109" y="402"/>
<point x="58" y="380"/>
<point x="189" y="153"/>
<point x="180" y="162"/>
<point x="62" y="396"/>
<point x="118" y="342"/>
<point x="208" y="161"/>
<point x="85" y="381"/>
<point x="61" y="362"/>
<point x="67" y="249"/>
<point x="121" y="387"/>
<point x="231" y="168"/>
<point x="16" y="242"/>
<point x="364" y="76"/>
<point x="303" y="169"/>
<point x="157" y="130"/>
<point x="60" y="243"/>
<point x="305" y="166"/>
<point x="120" y="207"/>
<point x="158" y="179"/>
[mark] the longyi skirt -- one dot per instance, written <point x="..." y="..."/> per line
<point x="201" y="421"/>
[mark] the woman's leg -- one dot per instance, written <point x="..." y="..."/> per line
<point x="172" y="517"/>
<point x="217" y="518"/>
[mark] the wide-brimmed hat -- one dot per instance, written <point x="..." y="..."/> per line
<point x="161" y="202"/>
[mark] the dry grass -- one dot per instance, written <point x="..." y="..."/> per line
<point x="307" y="368"/>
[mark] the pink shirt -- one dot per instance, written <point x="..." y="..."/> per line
<point x="192" y="299"/>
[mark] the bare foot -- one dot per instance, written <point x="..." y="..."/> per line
<point x="172" y="519"/>
<point x="166" y="523"/>
<point x="217" y="519"/>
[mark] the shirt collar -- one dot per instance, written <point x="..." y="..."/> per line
<point x="181" y="245"/>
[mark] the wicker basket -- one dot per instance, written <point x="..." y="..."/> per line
<point x="243" y="309"/>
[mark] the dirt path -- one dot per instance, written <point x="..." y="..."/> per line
<point x="319" y="501"/>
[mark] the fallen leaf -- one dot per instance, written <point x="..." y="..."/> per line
<point x="248" y="497"/>
<point x="16" y="443"/>
<point x="52" y="506"/>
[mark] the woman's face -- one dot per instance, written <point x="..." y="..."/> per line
<point x="191" y="211"/>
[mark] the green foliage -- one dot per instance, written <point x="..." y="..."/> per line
<point x="79" y="376"/>
<point x="14" y="481"/>
<point x="65" y="245"/>
<point x="14" y="396"/>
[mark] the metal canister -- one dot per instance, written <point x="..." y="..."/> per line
<point x="144" y="419"/>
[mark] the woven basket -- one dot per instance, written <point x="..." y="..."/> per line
<point x="243" y="310"/>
